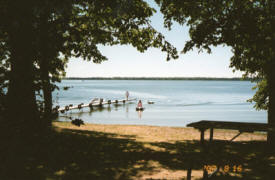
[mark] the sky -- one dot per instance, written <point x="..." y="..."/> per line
<point x="126" y="61"/>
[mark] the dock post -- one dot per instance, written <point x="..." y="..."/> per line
<point x="100" y="102"/>
<point x="91" y="106"/>
<point x="67" y="108"/>
<point x="79" y="106"/>
<point x="109" y="101"/>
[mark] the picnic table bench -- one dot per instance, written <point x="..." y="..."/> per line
<point x="203" y="125"/>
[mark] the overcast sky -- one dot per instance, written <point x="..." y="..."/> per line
<point x="126" y="61"/>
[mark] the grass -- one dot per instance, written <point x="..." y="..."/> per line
<point x="134" y="152"/>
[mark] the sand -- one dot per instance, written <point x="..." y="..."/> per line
<point x="170" y="137"/>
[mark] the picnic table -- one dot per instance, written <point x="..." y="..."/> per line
<point x="203" y="125"/>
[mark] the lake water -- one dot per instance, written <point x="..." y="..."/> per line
<point x="177" y="102"/>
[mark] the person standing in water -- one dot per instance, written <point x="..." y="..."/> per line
<point x="139" y="104"/>
<point x="127" y="95"/>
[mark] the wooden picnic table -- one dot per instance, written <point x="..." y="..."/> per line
<point x="203" y="125"/>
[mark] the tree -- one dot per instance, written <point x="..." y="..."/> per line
<point x="50" y="66"/>
<point x="89" y="26"/>
<point x="247" y="26"/>
<point x="18" y="30"/>
<point x="40" y="36"/>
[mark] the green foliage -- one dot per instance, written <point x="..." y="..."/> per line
<point x="111" y="23"/>
<point x="4" y="69"/>
<point x="261" y="96"/>
<point x="247" y="26"/>
<point x="58" y="30"/>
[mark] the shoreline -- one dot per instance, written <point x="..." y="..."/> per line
<point x="161" y="133"/>
<point x="157" y="126"/>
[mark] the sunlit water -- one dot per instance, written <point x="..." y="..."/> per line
<point x="177" y="102"/>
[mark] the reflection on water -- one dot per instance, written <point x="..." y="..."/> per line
<point x="127" y="111"/>
<point x="109" y="108"/>
<point x="139" y="114"/>
<point x="80" y="114"/>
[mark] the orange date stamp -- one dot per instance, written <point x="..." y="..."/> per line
<point x="225" y="168"/>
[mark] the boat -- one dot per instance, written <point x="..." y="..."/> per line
<point x="150" y="102"/>
<point x="139" y="108"/>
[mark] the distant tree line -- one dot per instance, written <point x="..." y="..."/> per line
<point x="157" y="78"/>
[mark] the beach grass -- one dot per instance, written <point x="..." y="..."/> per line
<point x="95" y="151"/>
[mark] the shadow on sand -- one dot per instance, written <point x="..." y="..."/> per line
<point x="75" y="154"/>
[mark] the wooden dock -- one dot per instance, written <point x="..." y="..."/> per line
<point x="93" y="104"/>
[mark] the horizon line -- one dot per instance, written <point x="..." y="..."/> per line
<point x="157" y="78"/>
<point x="151" y="77"/>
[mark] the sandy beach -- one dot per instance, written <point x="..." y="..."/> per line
<point x="172" y="149"/>
<point x="159" y="133"/>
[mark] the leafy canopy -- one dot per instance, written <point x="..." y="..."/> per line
<point x="73" y="28"/>
<point x="248" y="26"/>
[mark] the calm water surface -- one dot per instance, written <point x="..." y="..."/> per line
<point x="177" y="102"/>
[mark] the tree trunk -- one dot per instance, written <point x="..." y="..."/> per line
<point x="47" y="92"/>
<point x="271" y="107"/>
<point x="22" y="112"/>
<point x="45" y="58"/>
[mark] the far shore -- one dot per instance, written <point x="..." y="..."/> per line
<point x="161" y="78"/>
<point x="168" y="142"/>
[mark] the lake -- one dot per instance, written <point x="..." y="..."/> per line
<point x="177" y="102"/>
